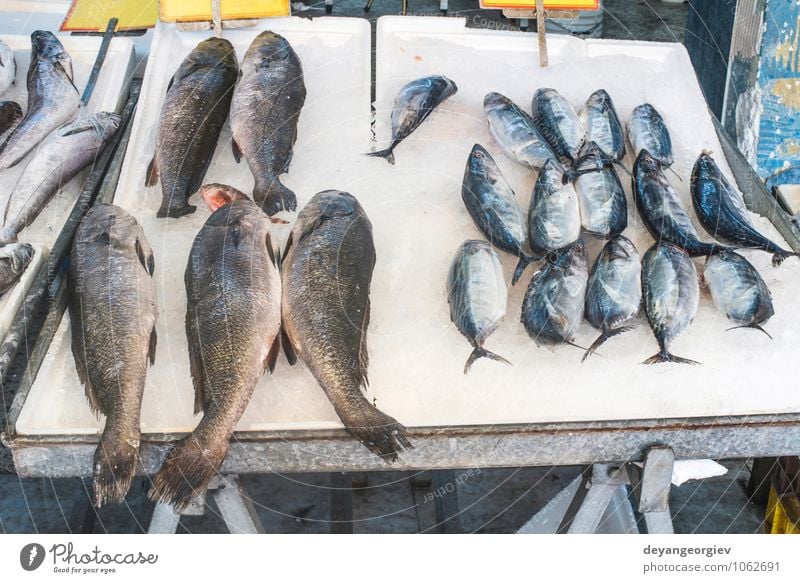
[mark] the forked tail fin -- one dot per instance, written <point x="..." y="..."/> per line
<point x="481" y="352"/>
<point x="666" y="356"/>
<point x="524" y="261"/>
<point x="604" y="335"/>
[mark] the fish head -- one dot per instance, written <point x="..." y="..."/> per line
<point x="447" y="87"/>
<point x="600" y="100"/>
<point x="213" y="52"/>
<point x="494" y="101"/>
<point x="619" y="248"/>
<point x="106" y="123"/>
<point x="646" y="163"/>
<point x="110" y="224"/>
<point x="553" y="174"/>
<point x="480" y="161"/>
<point x="45" y="45"/>
<point x="268" y="47"/>
<point x="218" y="195"/>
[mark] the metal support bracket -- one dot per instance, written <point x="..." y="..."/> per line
<point x="651" y="486"/>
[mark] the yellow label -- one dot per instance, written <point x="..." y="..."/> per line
<point x="548" y="4"/>
<point x="188" y="10"/>
<point x="93" y="15"/>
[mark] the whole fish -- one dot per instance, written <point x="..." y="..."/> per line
<point x="604" y="209"/>
<point x="554" y="216"/>
<point x="599" y="117"/>
<point x="194" y="110"/>
<point x="477" y="294"/>
<point x="671" y="295"/>
<point x="492" y="205"/>
<point x="326" y="272"/>
<point x="264" y="114"/>
<point x="738" y="290"/>
<point x="112" y="310"/>
<point x="63" y="154"/>
<point x="614" y="294"/>
<point x="8" y="67"/>
<point x="554" y="301"/>
<point x="10" y="114"/>
<point x="558" y="123"/>
<point x="14" y="259"/>
<point x="722" y="213"/>
<point x="661" y="208"/>
<point x="412" y="106"/>
<point x="52" y="98"/>
<point x="515" y="132"/>
<point x="647" y="131"/>
<point x="233" y="320"/>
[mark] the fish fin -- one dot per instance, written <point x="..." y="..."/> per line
<point x="378" y="432"/>
<point x="271" y="252"/>
<point x="175" y="212"/>
<point x="274" y="197"/>
<point x="288" y="348"/>
<point x="780" y="256"/>
<point x="187" y="470"/>
<point x="388" y="154"/>
<point x="152" y="173"/>
<point x="571" y="343"/>
<point x="151" y="348"/>
<point x="363" y="353"/>
<point x="196" y="363"/>
<point x="604" y="335"/>
<point x="145" y="254"/>
<point x="237" y="152"/>
<point x="170" y="84"/>
<point x="288" y="246"/>
<point x="754" y="326"/>
<point x="64" y="62"/>
<point x="665" y="356"/>
<point x="115" y="462"/>
<point x="624" y="169"/>
<point x="523" y="262"/>
<point x="272" y="354"/>
<point x="83" y="376"/>
<point x="80" y="129"/>
<point x="481" y="352"/>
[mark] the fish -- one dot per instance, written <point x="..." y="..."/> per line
<point x="722" y="213"/>
<point x="264" y="114"/>
<point x="671" y="295"/>
<point x="738" y="290"/>
<point x="515" y="132"/>
<point x="614" y="292"/>
<point x="194" y="110"/>
<point x="603" y="127"/>
<point x="53" y="98"/>
<point x="14" y="259"/>
<point x="111" y="299"/>
<point x="233" y="319"/>
<point x="661" y="208"/>
<point x="10" y="114"/>
<point x="648" y="131"/>
<point x="558" y="123"/>
<point x="217" y="195"/>
<point x="8" y="67"/>
<point x="554" y="301"/>
<point x="62" y="155"/>
<point x="493" y="207"/>
<point x="412" y="106"/>
<point x="326" y="271"/>
<point x="554" y="217"/>
<point x="477" y="294"/>
<point x="603" y="206"/>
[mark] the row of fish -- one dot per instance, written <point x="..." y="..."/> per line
<point x="243" y="304"/>
<point x="56" y="144"/>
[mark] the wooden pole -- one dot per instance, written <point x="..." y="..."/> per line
<point x="540" y="29"/>
<point x="216" y="16"/>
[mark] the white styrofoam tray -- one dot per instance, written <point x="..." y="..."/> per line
<point x="416" y="354"/>
<point x="109" y="94"/>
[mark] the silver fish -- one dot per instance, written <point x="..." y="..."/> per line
<point x="14" y="259"/>
<point x="599" y="117"/>
<point x="554" y="217"/>
<point x="8" y="67"/>
<point x="558" y="123"/>
<point x="604" y="208"/>
<point x="515" y="132"/>
<point x="477" y="294"/>
<point x="647" y="131"/>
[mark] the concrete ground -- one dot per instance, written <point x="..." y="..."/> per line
<point x="497" y="500"/>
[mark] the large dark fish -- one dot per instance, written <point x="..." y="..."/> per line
<point x="233" y="317"/>
<point x="14" y="259"/>
<point x="671" y="295"/>
<point x="738" y="290"/>
<point x="194" y="110"/>
<point x="604" y="208"/>
<point x="661" y="208"/>
<point x="112" y="310"/>
<point x="412" y="106"/>
<point x="515" y="132"/>
<point x="492" y="205"/>
<point x="558" y="123"/>
<point x="327" y="269"/>
<point x="554" y="301"/>
<point x="52" y="98"/>
<point x="599" y="117"/>
<point x="722" y="213"/>
<point x="554" y="216"/>
<point x="614" y="294"/>
<point x="477" y="294"/>
<point x="10" y="114"/>
<point x="647" y="131"/>
<point x="264" y="114"/>
<point x="8" y="67"/>
<point x="63" y="154"/>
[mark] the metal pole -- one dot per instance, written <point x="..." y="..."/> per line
<point x="98" y="62"/>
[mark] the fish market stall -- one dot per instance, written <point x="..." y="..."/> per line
<point x="547" y="408"/>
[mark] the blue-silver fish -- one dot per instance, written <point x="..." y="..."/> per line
<point x="599" y="117"/>
<point x="671" y="295"/>
<point x="558" y="123"/>
<point x="554" y="301"/>
<point x="604" y="209"/>
<point x="477" y="294"/>
<point x="554" y="216"/>
<point x="614" y="294"/>
<point x="514" y="131"/>
<point x="647" y="131"/>
<point x="738" y="290"/>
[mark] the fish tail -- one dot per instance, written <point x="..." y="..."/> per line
<point x="780" y="256"/>
<point x="388" y="153"/>
<point x="188" y="469"/>
<point x="604" y="335"/>
<point x="666" y="356"/>
<point x="115" y="461"/>
<point x="481" y="352"/>
<point x="754" y="326"/>
<point x="524" y="261"/>
<point x="273" y="197"/>
<point x="377" y="431"/>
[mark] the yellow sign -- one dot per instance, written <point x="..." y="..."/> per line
<point x="93" y="15"/>
<point x="548" y="4"/>
<point x="191" y="10"/>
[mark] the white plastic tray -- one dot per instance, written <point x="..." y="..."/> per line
<point x="416" y="354"/>
<point x="109" y="94"/>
